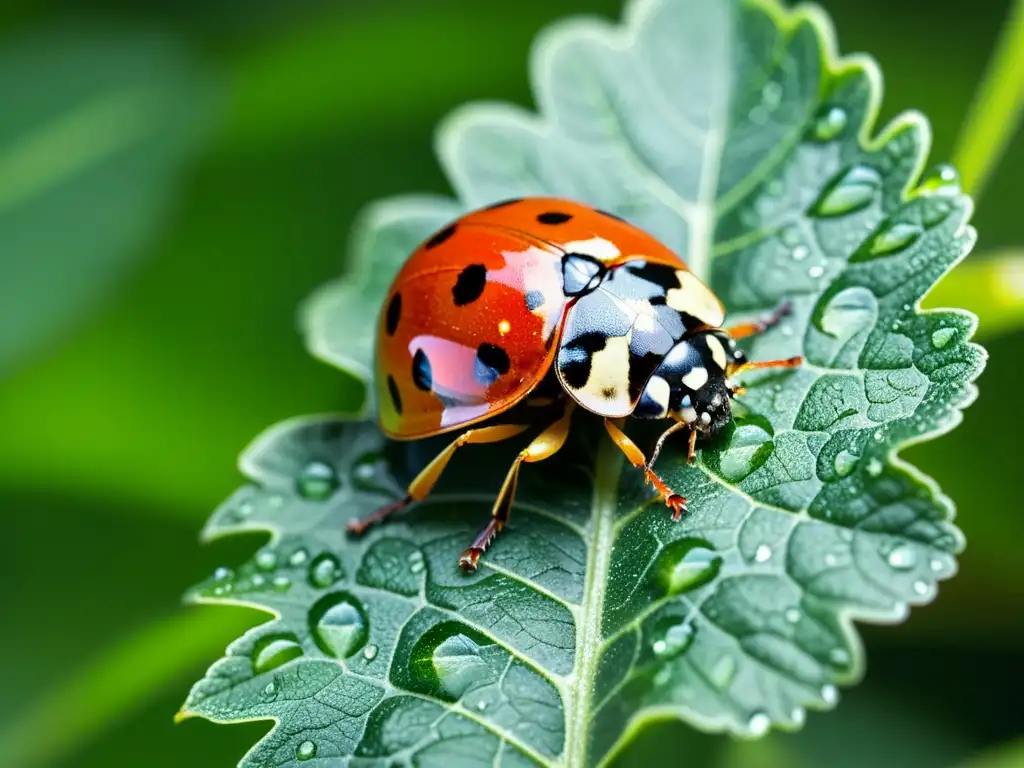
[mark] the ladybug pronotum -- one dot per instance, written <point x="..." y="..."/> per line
<point x="529" y="308"/>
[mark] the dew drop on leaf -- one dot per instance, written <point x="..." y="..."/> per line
<point x="416" y="562"/>
<point x="763" y="553"/>
<point x="798" y="715"/>
<point x="339" y="625"/>
<point x="222" y="574"/>
<point x="686" y="564"/>
<point x="246" y="508"/>
<point x="902" y="557"/>
<point x="845" y="462"/>
<point x="816" y="271"/>
<point x="317" y="481"/>
<point x="299" y="556"/>
<point x="839" y="657"/>
<point x="758" y="724"/>
<point x="723" y="671"/>
<point x="370" y="652"/>
<point x="942" y="337"/>
<point x="281" y="583"/>
<point x="941" y="180"/>
<point x="272" y="652"/>
<point x="324" y="571"/>
<point x="306" y="751"/>
<point x="458" y="665"/>
<point x="874" y="467"/>
<point x="801" y="252"/>
<point x="793" y="615"/>
<point x="921" y="588"/>
<point x="890" y="240"/>
<point x="830" y="694"/>
<point x="266" y="560"/>
<point x="674" y="635"/>
<point x="829" y="123"/>
<point x="850" y="192"/>
<point x="936" y="565"/>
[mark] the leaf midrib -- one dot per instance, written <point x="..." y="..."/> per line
<point x="607" y="469"/>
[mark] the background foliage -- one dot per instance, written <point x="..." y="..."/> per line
<point x="119" y="434"/>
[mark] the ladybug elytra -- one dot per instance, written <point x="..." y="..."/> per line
<point x="529" y="308"/>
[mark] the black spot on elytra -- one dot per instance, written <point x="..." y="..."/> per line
<point x="396" y="398"/>
<point x="554" y="217"/>
<point x="577" y="356"/>
<point x="394" y="314"/>
<point x="491" y="362"/>
<point x="641" y="368"/>
<point x="661" y="275"/>
<point x="470" y="284"/>
<point x="422" y="375"/>
<point x="534" y="299"/>
<point x="440" y="237"/>
<point x="501" y="203"/>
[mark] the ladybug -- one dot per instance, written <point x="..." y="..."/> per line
<point x="529" y="308"/>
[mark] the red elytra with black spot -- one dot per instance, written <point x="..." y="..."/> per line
<point x="485" y="308"/>
<point x="472" y="320"/>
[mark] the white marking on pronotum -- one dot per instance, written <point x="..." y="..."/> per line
<point x="659" y="391"/>
<point x="696" y="378"/>
<point x="717" y="350"/>
<point x="705" y="418"/>
<point x="695" y="299"/>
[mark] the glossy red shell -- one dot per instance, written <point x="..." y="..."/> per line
<point x="472" y="320"/>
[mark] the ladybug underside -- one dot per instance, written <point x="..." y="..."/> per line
<point x="541" y="290"/>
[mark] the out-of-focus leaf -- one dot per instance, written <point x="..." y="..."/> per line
<point x="137" y="669"/>
<point x="997" y="107"/>
<point x="96" y="127"/>
<point x="1009" y="755"/>
<point x="729" y="131"/>
<point x="989" y="285"/>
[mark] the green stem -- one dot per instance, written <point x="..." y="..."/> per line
<point x="119" y="682"/>
<point x="996" y="110"/>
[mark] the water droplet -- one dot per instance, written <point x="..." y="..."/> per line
<point x="299" y="556"/>
<point x="942" y="337"/>
<point x="270" y="691"/>
<point x="481" y="705"/>
<point x="306" y="751"/>
<point x="758" y="724"/>
<point x="792" y="615"/>
<point x="416" y="562"/>
<point x="798" y="716"/>
<point x="830" y="694"/>
<point x="816" y="271"/>
<point x="675" y="635"/>
<point x="902" y="557"/>
<point x="339" y="625"/>
<point x="324" y="571"/>
<point x="878" y="434"/>
<point x="772" y="94"/>
<point x="936" y="565"/>
<point x="266" y="560"/>
<point x="801" y="252"/>
<point x="222" y="574"/>
<point x="370" y="652"/>
<point x="750" y="446"/>
<point x="763" y="553"/>
<point x="686" y="564"/>
<point x="317" y="481"/>
<point x="830" y="123"/>
<point x="258" y="581"/>
<point x="272" y="652"/>
<point x="845" y="462"/>
<point x="723" y="671"/>
<point x="889" y="241"/>
<point x="663" y="676"/>
<point x="874" y="467"/>
<point x="941" y="180"/>
<point x="281" y="583"/>
<point x="849" y="192"/>
<point x="246" y="508"/>
<point x="790" y="236"/>
<point x="839" y="657"/>
<point x="920" y="588"/>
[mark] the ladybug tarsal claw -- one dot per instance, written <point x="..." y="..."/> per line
<point x="469" y="560"/>
<point x="677" y="504"/>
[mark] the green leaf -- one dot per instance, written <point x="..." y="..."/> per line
<point x="733" y="133"/>
<point x="96" y="126"/>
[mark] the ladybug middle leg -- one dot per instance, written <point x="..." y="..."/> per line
<point x="636" y="457"/>
<point x="425" y="481"/>
<point x="544" y="446"/>
<point x="743" y="330"/>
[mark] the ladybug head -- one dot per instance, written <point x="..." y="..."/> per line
<point x="691" y="384"/>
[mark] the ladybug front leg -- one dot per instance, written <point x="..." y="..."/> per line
<point x="544" y="446"/>
<point x="636" y="457"/>
<point x="744" y="330"/>
<point x="425" y="481"/>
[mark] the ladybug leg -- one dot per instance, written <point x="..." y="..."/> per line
<point x="760" y="326"/>
<point x="636" y="457"/>
<point x="425" y="481"/>
<point x="671" y="431"/>
<point x="544" y="446"/>
<point x="789" y="362"/>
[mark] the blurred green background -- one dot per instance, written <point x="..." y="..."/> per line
<point x="177" y="175"/>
